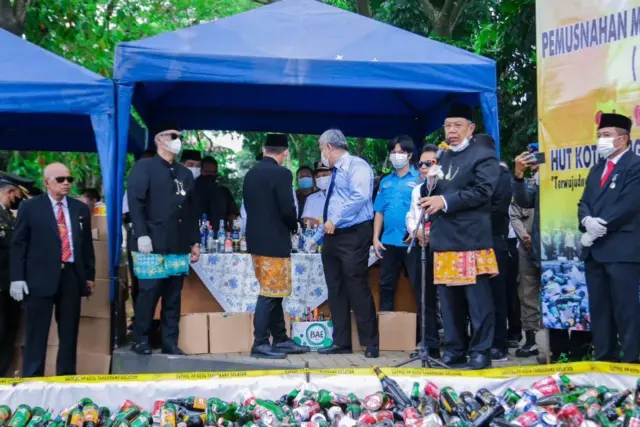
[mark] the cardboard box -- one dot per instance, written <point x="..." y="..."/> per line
<point x="94" y="336"/>
<point x="230" y="333"/>
<point x="86" y="363"/>
<point x="99" y="227"/>
<point x="397" y="331"/>
<point x="98" y="304"/>
<point x="287" y="324"/>
<point x="101" y="250"/>
<point x="194" y="333"/>
<point x="313" y="334"/>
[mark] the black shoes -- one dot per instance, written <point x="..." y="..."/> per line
<point x="265" y="351"/>
<point x="454" y="362"/>
<point x="174" y="351"/>
<point x="289" y="347"/>
<point x="529" y="348"/>
<point x="372" y="352"/>
<point x="335" y="349"/>
<point x="479" y="361"/>
<point x="143" y="349"/>
<point x="514" y="343"/>
<point x="498" y="355"/>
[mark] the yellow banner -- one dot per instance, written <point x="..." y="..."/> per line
<point x="588" y="64"/>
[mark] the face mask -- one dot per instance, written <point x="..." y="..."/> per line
<point x="324" y="159"/>
<point x="305" y="183"/>
<point x="195" y="172"/>
<point x="606" y="147"/>
<point x="399" y="160"/>
<point x="174" y="146"/>
<point x="323" y="182"/>
<point x="457" y="148"/>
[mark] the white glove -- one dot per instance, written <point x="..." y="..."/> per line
<point x="18" y="290"/>
<point x="144" y="245"/>
<point x="595" y="226"/>
<point x="587" y="240"/>
<point x="310" y="245"/>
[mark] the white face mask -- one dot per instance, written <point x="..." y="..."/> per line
<point x="606" y="147"/>
<point x="174" y="146"/>
<point x="324" y="159"/>
<point x="399" y="160"/>
<point x="456" y="148"/>
<point x="195" y="172"/>
<point x="323" y="182"/>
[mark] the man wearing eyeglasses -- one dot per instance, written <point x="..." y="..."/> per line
<point x="52" y="264"/>
<point x="165" y="237"/>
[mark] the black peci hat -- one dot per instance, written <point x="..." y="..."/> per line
<point x="612" y="120"/>
<point x="276" y="140"/>
<point x="191" y="155"/>
<point x="460" y="110"/>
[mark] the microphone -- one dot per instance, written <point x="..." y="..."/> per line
<point x="439" y="154"/>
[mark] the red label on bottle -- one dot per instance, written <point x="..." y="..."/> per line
<point x="432" y="390"/>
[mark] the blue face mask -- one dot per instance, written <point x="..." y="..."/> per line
<point x="305" y="183"/>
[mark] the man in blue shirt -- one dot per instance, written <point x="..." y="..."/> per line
<point x="347" y="232"/>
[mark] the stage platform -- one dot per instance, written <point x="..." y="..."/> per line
<point x="126" y="362"/>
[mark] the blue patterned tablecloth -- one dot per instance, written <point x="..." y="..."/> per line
<point x="231" y="280"/>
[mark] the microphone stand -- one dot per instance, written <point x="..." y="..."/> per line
<point x="423" y="354"/>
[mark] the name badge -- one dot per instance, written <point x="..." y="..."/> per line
<point x="412" y="184"/>
<point x="386" y="184"/>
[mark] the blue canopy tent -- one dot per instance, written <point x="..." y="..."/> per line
<point x="48" y="103"/>
<point x="300" y="66"/>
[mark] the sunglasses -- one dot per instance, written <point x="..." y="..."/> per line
<point x="428" y="163"/>
<point x="61" y="179"/>
<point x="172" y="135"/>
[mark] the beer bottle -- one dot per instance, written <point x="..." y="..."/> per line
<point x="469" y="408"/>
<point x="76" y="418"/>
<point x="448" y="400"/>
<point x="592" y="407"/>
<point x="486" y="398"/>
<point x="392" y="389"/>
<point x="610" y="406"/>
<point x="485" y="418"/>
<point x="510" y="397"/>
<point x="39" y="418"/>
<point x="90" y="415"/>
<point x="194" y="420"/>
<point x="415" y="394"/>
<point x="168" y="416"/>
<point x="103" y="416"/>
<point x="58" y="422"/>
<point x="191" y="403"/>
<point x="289" y="398"/>
<point x="354" y="411"/>
<point x="5" y="415"/>
<point x="143" y="420"/>
<point x="428" y="405"/>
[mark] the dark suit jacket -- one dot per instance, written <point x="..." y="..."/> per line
<point x="619" y="206"/>
<point x="271" y="211"/>
<point x="36" y="249"/>
<point x="6" y="230"/>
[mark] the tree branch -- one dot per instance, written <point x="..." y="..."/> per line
<point x="111" y="7"/>
<point x="456" y="12"/>
<point x="20" y="8"/>
<point x="362" y="6"/>
<point x="429" y="11"/>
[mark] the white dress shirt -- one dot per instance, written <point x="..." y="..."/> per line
<point x="314" y="206"/>
<point x="67" y="219"/>
<point x="615" y="161"/>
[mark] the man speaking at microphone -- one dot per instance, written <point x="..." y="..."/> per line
<point x="461" y="241"/>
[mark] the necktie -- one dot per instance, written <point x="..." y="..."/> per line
<point x="610" y="166"/>
<point x="64" y="234"/>
<point x="325" y="211"/>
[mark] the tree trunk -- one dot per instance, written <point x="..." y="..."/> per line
<point x="362" y="6"/>
<point x="443" y="21"/>
<point x="12" y="16"/>
<point x="360" y="144"/>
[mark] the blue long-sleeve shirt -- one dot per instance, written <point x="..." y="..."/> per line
<point x="350" y="202"/>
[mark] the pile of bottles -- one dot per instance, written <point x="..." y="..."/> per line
<point x="222" y="242"/>
<point x="298" y="239"/>
<point x="310" y="316"/>
<point x="565" y="303"/>
<point x="553" y="401"/>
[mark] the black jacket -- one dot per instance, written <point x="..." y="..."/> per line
<point x="271" y="212"/>
<point x="500" y="203"/>
<point x="7" y="223"/>
<point x="527" y="196"/>
<point x="214" y="200"/>
<point x="619" y="206"/>
<point x="162" y="206"/>
<point x="36" y="249"/>
<point x="471" y="176"/>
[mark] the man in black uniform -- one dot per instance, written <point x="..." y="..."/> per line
<point x="192" y="160"/>
<point x="271" y="218"/>
<point x="164" y="222"/>
<point x="214" y="200"/>
<point x="609" y="215"/>
<point x="461" y="240"/>
<point x="12" y="190"/>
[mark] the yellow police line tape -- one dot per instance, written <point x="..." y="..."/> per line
<point x="507" y="372"/>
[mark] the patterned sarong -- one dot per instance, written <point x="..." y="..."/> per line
<point x="462" y="268"/>
<point x="159" y="266"/>
<point x="274" y="275"/>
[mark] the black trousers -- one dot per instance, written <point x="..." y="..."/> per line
<point x="499" y="294"/>
<point x="513" y="301"/>
<point x="453" y="303"/>
<point x="150" y="292"/>
<point x="134" y="280"/>
<point x="432" y="336"/>
<point x="614" y="308"/>
<point x="269" y="321"/>
<point x="9" y="322"/>
<point x="345" y="258"/>
<point x="67" y="314"/>
<point x="573" y="344"/>
<point x="393" y="259"/>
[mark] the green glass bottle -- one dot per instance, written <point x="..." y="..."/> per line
<point x="5" y="415"/>
<point x="415" y="393"/>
